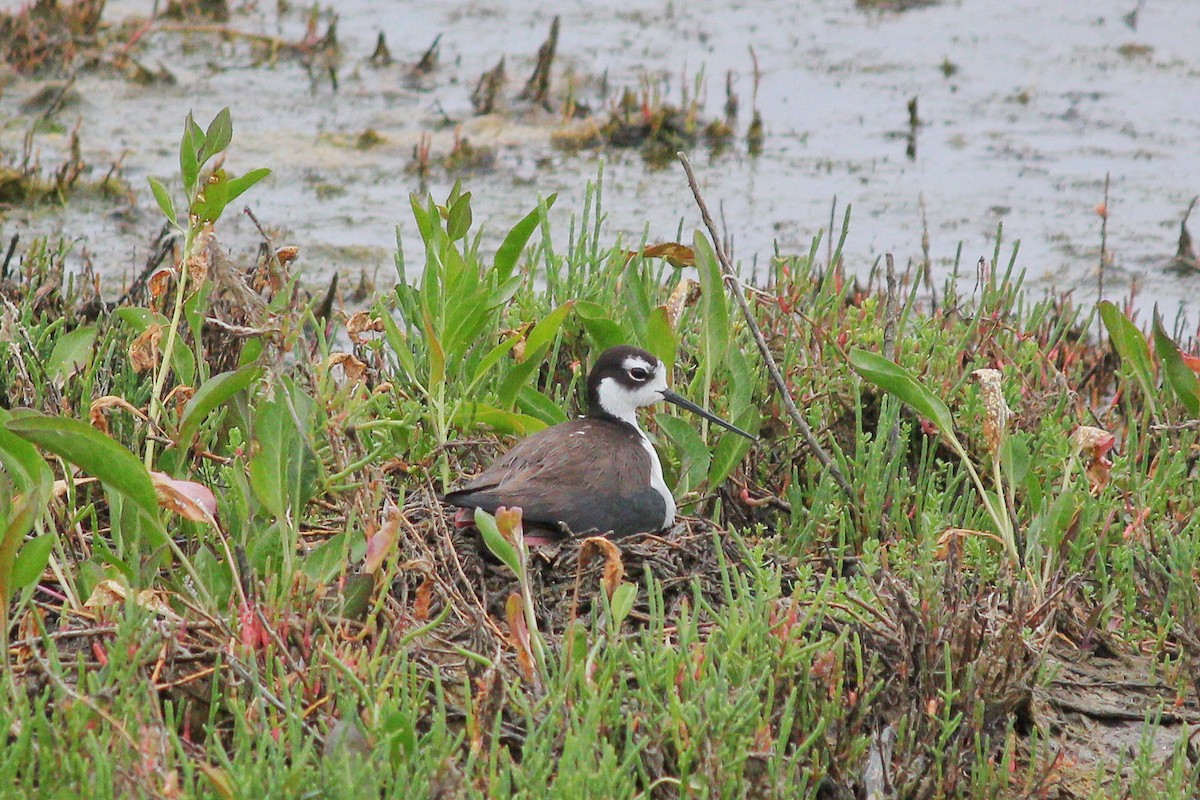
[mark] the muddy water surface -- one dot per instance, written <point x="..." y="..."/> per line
<point x="1024" y="107"/>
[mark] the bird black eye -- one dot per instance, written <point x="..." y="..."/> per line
<point x="639" y="374"/>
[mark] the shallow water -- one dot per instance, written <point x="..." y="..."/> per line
<point x="1043" y="100"/>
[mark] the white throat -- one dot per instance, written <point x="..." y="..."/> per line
<point x="623" y="404"/>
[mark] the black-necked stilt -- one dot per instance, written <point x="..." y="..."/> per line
<point x="596" y="473"/>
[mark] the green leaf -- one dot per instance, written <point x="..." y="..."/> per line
<point x="212" y="394"/>
<point x="1015" y="457"/>
<point x="31" y="561"/>
<point x="1132" y="347"/>
<point x="283" y="470"/>
<point x="164" y="199"/>
<point x="93" y="452"/>
<point x="235" y="187"/>
<point x="694" y="454"/>
<point x="71" y="353"/>
<point x="538" y="405"/>
<point x="1177" y="375"/>
<point x="732" y="448"/>
<point x="537" y="343"/>
<point x="210" y="203"/>
<point x="622" y="603"/>
<point x="219" y="133"/>
<point x="498" y="419"/>
<point x="501" y="548"/>
<point x="896" y="380"/>
<point x="458" y="221"/>
<point x="544" y="332"/>
<point x="604" y="331"/>
<point x="189" y="166"/>
<point x="715" y="302"/>
<point x="30" y="472"/>
<point x="514" y="243"/>
<point x="661" y="339"/>
<point x="14" y="525"/>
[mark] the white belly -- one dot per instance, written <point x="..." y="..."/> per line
<point x="657" y="483"/>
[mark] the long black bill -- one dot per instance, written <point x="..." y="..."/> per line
<point x="683" y="402"/>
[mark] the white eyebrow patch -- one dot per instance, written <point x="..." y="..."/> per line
<point x="631" y="362"/>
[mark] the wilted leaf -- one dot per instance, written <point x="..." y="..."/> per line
<point x="674" y="253"/>
<point x="144" y="350"/>
<point x="351" y="366"/>
<point x="97" y="411"/>
<point x="614" y="566"/>
<point x="111" y="592"/>
<point x="190" y="500"/>
<point x="383" y="541"/>
<point x="515" y="613"/>
<point x="362" y="322"/>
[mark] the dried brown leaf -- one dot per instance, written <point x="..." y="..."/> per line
<point x="188" y="499"/>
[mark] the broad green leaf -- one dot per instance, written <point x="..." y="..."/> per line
<point x="694" y="454"/>
<point x="714" y="304"/>
<point x="732" y="448"/>
<point x="14" y="524"/>
<point x="896" y="380"/>
<point x="458" y="220"/>
<point x="1015" y="457"/>
<point x="212" y="394"/>
<point x="31" y="561"/>
<point x="1177" y="375"/>
<point x="622" y="602"/>
<point x="398" y="343"/>
<point x="72" y="352"/>
<point x="1132" y="347"/>
<point x="437" y="356"/>
<point x="536" y="404"/>
<point x="219" y="133"/>
<point x="490" y="360"/>
<point x="425" y="221"/>
<point x="30" y="472"/>
<point x="235" y="187"/>
<point x="189" y="166"/>
<point x="210" y="203"/>
<point x="537" y="343"/>
<point x="501" y="548"/>
<point x="283" y="470"/>
<point x="604" y="331"/>
<point x="325" y="562"/>
<point x="498" y="419"/>
<point x="547" y="328"/>
<point x="514" y="243"/>
<point x="164" y="199"/>
<point x="93" y="452"/>
<point x="661" y="339"/>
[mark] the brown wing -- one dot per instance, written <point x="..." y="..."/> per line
<point x="585" y="473"/>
